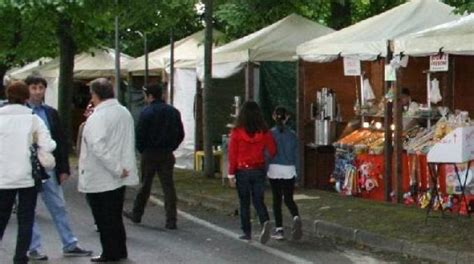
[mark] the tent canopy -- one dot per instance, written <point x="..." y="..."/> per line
<point x="368" y="39"/>
<point x="276" y="42"/>
<point x="186" y="51"/>
<point x="87" y="65"/>
<point x="27" y="67"/>
<point x="456" y="37"/>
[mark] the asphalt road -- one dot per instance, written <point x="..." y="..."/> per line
<point x="203" y="236"/>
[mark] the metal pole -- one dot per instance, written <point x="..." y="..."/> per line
<point x="145" y="44"/>
<point x="398" y="134"/>
<point x="171" y="79"/>
<point x="117" y="57"/>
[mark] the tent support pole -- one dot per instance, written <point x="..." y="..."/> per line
<point x="249" y="82"/>
<point x="398" y="134"/>
<point x="388" y="135"/>
<point x="300" y="89"/>
<point x="128" y="100"/>
<point x="449" y="94"/>
<point x="171" y="80"/>
<point x="198" y="136"/>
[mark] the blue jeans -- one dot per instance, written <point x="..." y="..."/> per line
<point x="53" y="198"/>
<point x="251" y="186"/>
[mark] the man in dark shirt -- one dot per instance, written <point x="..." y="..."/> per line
<point x="159" y="132"/>
<point x="52" y="194"/>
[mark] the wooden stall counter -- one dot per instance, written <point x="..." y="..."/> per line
<point x="319" y="165"/>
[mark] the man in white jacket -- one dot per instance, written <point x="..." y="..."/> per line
<point x="107" y="164"/>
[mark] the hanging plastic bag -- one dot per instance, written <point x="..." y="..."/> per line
<point x="435" y="96"/>
<point x="367" y="90"/>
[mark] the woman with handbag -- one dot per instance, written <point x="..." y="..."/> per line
<point x="17" y="128"/>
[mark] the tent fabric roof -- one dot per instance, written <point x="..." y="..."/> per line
<point x="87" y="65"/>
<point x="456" y="37"/>
<point x="276" y="42"/>
<point x="186" y="52"/>
<point x="28" y="66"/>
<point x="367" y="39"/>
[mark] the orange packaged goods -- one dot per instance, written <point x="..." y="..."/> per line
<point x="363" y="141"/>
<point x="354" y="137"/>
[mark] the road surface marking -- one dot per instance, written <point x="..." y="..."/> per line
<point x="275" y="252"/>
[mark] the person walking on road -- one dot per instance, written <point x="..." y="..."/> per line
<point x="18" y="126"/>
<point x="107" y="164"/>
<point x="249" y="141"/>
<point x="159" y="133"/>
<point x="282" y="173"/>
<point x="52" y="194"/>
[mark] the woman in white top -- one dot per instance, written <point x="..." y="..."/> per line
<point x="17" y="127"/>
<point x="282" y="173"/>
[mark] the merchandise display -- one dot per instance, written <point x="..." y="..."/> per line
<point x="360" y="161"/>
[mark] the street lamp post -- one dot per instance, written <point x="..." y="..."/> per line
<point x="117" y="58"/>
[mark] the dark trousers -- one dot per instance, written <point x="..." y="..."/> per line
<point x="107" y="211"/>
<point x="251" y="186"/>
<point x="283" y="188"/>
<point x="25" y="214"/>
<point x="153" y="162"/>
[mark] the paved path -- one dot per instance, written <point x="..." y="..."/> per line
<point x="203" y="237"/>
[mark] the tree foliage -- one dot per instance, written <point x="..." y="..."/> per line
<point x="238" y="18"/>
<point x="156" y="18"/>
<point x="462" y="6"/>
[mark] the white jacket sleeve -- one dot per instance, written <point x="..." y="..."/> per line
<point x="45" y="142"/>
<point x="95" y="136"/>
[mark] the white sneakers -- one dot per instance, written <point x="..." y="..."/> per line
<point x="278" y="234"/>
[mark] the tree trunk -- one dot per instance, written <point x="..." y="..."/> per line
<point x="208" y="155"/>
<point x="340" y="14"/>
<point x="67" y="50"/>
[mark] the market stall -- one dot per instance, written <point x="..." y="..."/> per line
<point x="355" y="63"/>
<point x="446" y="53"/>
<point x="265" y="63"/>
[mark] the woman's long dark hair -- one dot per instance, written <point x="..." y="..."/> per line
<point x="251" y="119"/>
<point x="280" y="114"/>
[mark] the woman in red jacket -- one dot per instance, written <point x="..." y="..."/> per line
<point x="249" y="141"/>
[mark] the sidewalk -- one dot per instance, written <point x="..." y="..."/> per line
<point x="389" y="227"/>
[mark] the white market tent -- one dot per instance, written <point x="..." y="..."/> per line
<point x="87" y="65"/>
<point x="92" y="64"/>
<point x="186" y="52"/>
<point x="456" y="37"/>
<point x="368" y="39"/>
<point x="27" y="67"/>
<point x="276" y="42"/>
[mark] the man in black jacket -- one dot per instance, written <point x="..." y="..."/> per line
<point x="159" y="132"/>
<point x="52" y="193"/>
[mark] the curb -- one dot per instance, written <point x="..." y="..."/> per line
<point x="321" y="228"/>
